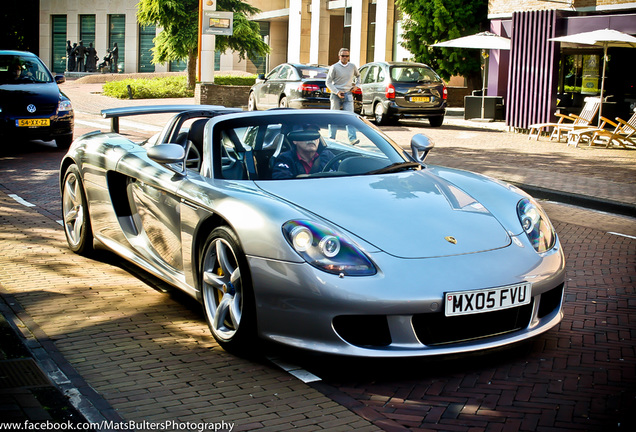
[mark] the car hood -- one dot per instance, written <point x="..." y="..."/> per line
<point x="31" y="92"/>
<point x="412" y="214"/>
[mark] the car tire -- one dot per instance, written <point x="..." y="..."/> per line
<point x="379" y="115"/>
<point x="251" y="102"/>
<point x="75" y="215"/>
<point x="436" y="121"/>
<point x="226" y="290"/>
<point x="282" y="103"/>
<point x="64" y="142"/>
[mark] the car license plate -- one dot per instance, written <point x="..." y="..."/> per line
<point x="33" y="122"/>
<point x="488" y="300"/>
<point x="420" y="99"/>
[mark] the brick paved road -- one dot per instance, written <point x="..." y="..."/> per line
<point x="147" y="351"/>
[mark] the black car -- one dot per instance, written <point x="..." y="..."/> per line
<point x="31" y="103"/>
<point x="392" y="90"/>
<point x="292" y="85"/>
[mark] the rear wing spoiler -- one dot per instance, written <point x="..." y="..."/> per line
<point x="115" y="113"/>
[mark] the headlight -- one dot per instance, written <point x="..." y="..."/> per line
<point x="327" y="250"/>
<point x="64" y="105"/>
<point x="536" y="225"/>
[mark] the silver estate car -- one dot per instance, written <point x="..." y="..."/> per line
<point x="366" y="251"/>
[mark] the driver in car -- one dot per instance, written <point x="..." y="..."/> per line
<point x="308" y="155"/>
<point x="17" y="74"/>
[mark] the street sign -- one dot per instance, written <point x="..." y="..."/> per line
<point x="217" y="23"/>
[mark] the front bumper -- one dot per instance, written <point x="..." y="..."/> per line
<point x="399" y="312"/>
<point x="60" y="125"/>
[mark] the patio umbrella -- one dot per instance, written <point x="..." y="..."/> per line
<point x="604" y="38"/>
<point x="484" y="41"/>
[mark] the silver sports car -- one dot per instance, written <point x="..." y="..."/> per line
<point x="285" y="229"/>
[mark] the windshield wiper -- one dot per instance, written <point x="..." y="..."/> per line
<point x="396" y="167"/>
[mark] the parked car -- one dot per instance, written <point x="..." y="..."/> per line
<point x="292" y="85"/>
<point x="31" y="103"/>
<point x="393" y="90"/>
<point x="377" y="254"/>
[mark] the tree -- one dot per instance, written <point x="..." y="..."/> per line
<point x="431" y="21"/>
<point x="19" y="26"/>
<point x="179" y="20"/>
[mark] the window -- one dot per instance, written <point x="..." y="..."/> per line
<point x="371" y="76"/>
<point x="87" y="29"/>
<point x="260" y="62"/>
<point x="314" y="72"/>
<point x="284" y="73"/>
<point x="146" y="43"/>
<point x="178" y="65"/>
<point x="117" y="35"/>
<point x="371" y="31"/>
<point x="58" y="37"/>
<point x="579" y="77"/>
<point x="274" y="72"/>
<point x="31" y="70"/>
<point x="411" y="74"/>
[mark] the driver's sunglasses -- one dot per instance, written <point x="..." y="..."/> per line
<point x="343" y="55"/>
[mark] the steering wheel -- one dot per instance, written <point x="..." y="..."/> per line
<point x="338" y="160"/>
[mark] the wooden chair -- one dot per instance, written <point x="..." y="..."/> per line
<point x="575" y="137"/>
<point x="569" y="122"/>
<point x="624" y="133"/>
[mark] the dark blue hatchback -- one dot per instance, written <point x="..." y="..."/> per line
<point x="31" y="103"/>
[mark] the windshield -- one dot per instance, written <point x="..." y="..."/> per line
<point x="298" y="146"/>
<point x="17" y="69"/>
<point x="407" y="74"/>
<point x="313" y="72"/>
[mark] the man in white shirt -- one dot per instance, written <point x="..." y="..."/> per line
<point x="342" y="78"/>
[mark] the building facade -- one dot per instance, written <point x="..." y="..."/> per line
<point x="537" y="77"/>
<point x="307" y="31"/>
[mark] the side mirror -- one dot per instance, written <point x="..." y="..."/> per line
<point x="168" y="154"/>
<point x="421" y="145"/>
<point x="60" y="79"/>
<point x="260" y="78"/>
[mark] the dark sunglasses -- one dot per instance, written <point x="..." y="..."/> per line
<point x="341" y="55"/>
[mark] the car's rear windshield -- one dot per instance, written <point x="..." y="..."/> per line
<point x="17" y="69"/>
<point x="313" y="72"/>
<point x="407" y="74"/>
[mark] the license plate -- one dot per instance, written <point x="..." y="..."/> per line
<point x="488" y="300"/>
<point x="420" y="99"/>
<point x="33" y="122"/>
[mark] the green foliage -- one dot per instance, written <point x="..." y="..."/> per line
<point x="179" y="20"/>
<point x="19" y="25"/>
<point x="165" y="87"/>
<point x="235" y="80"/>
<point x="431" y="21"/>
<point x="154" y="88"/>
